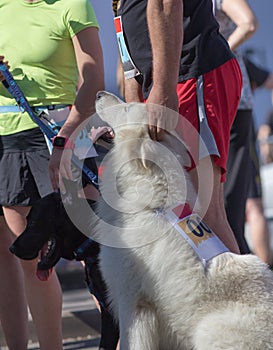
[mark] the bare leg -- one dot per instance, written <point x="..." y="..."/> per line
<point x="207" y="181"/>
<point x="258" y="228"/>
<point x="13" y="305"/>
<point x="44" y="298"/>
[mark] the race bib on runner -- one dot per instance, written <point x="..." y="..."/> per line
<point x="130" y="70"/>
<point x="199" y="235"/>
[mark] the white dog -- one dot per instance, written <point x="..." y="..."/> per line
<point x="162" y="293"/>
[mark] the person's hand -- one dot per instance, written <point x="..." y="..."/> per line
<point x="6" y="63"/>
<point x="59" y="167"/>
<point x="104" y="132"/>
<point x="158" y="116"/>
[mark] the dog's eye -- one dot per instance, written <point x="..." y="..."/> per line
<point x="100" y="94"/>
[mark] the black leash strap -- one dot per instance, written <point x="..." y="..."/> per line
<point x="48" y="129"/>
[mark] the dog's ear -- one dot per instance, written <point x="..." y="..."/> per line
<point x="172" y="145"/>
<point x="148" y="152"/>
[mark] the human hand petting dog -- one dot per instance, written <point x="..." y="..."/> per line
<point x="159" y="121"/>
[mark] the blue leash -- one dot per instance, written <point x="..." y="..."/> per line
<point x="50" y="130"/>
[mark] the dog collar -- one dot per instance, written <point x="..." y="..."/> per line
<point x="198" y="235"/>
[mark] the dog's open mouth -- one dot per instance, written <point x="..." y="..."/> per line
<point x="50" y="254"/>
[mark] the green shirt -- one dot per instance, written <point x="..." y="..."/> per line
<point x="36" y="39"/>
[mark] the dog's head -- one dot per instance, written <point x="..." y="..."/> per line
<point x="49" y="233"/>
<point x="40" y="227"/>
<point x="139" y="171"/>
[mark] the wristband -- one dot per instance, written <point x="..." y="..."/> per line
<point x="61" y="142"/>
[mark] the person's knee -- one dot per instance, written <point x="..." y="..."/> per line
<point x="207" y="182"/>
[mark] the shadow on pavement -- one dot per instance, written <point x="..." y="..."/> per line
<point x="87" y="344"/>
<point x="91" y="318"/>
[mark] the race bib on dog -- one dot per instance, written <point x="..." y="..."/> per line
<point x="199" y="235"/>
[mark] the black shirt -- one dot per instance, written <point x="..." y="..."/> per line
<point x="204" y="48"/>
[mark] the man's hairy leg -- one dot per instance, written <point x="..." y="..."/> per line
<point x="207" y="182"/>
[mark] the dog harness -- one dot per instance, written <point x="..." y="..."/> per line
<point x="198" y="235"/>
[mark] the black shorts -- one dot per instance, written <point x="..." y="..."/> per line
<point x="24" y="175"/>
<point x="255" y="185"/>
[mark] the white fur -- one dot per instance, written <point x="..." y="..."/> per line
<point x="161" y="295"/>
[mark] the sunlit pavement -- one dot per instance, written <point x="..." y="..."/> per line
<point x="81" y="321"/>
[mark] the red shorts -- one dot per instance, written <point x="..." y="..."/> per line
<point x="209" y="104"/>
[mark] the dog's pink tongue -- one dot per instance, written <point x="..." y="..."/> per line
<point x="43" y="275"/>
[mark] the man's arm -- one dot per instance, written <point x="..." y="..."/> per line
<point x="165" y="24"/>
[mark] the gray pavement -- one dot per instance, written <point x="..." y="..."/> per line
<point x="80" y="318"/>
